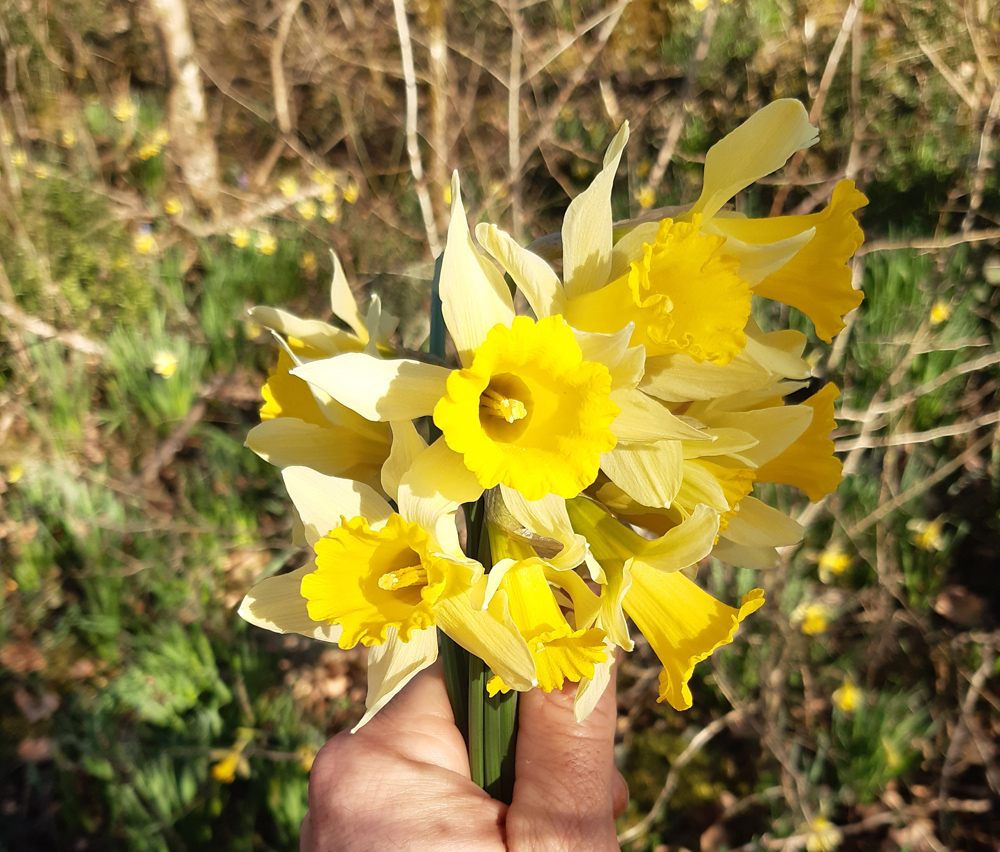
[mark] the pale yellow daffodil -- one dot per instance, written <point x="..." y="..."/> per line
<point x="388" y="579"/>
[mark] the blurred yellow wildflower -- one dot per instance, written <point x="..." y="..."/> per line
<point x="351" y="191"/>
<point x="144" y="242"/>
<point x="321" y="178"/>
<point x="288" y="185"/>
<point x="498" y="189"/>
<point x="124" y="109"/>
<point x="306" y="756"/>
<point x="832" y="563"/>
<point x="148" y="151"/>
<point x="307" y="209"/>
<point x="6" y="138"/>
<point x="581" y="169"/>
<point x="446" y="194"/>
<point x="329" y="195"/>
<point x="68" y="138"/>
<point x="940" y="311"/>
<point x="164" y="363"/>
<point x="642" y="170"/>
<point x="19" y="158"/>
<point x="173" y="206"/>
<point x="823" y="836"/>
<point x="893" y="759"/>
<point x="239" y="237"/>
<point x="309" y="261"/>
<point x="15" y="472"/>
<point x="232" y="761"/>
<point x="161" y="137"/>
<point x="122" y="262"/>
<point x="41" y="172"/>
<point x="331" y="212"/>
<point x="647" y="197"/>
<point x="848" y="697"/>
<point x="927" y="535"/>
<point x="812" y="619"/>
<point x="266" y="243"/>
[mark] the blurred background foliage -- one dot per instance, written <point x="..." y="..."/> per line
<point x="858" y="710"/>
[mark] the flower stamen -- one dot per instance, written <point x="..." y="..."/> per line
<point x="402" y="578"/>
<point x="496" y="404"/>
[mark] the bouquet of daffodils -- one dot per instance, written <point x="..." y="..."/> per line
<point x="599" y="445"/>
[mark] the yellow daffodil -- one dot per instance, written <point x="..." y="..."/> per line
<point x="302" y="425"/>
<point x="832" y="563"/>
<point x="288" y="186"/>
<point x="940" y="312"/>
<point x="124" y="109"/>
<point x="389" y="578"/>
<point x="266" y="243"/>
<point x="351" y="190"/>
<point x="161" y="137"/>
<point x="149" y="150"/>
<point x="848" y="697"/>
<point x="239" y="237"/>
<point x="927" y="535"/>
<point x="165" y="363"/>
<point x="812" y="618"/>
<point x="307" y="209"/>
<point x="683" y="623"/>
<point x="173" y="206"/>
<point x="823" y="836"/>
<point x="144" y="242"/>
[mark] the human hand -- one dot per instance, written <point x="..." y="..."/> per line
<point x="403" y="783"/>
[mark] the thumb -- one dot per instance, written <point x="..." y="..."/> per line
<point x="566" y="784"/>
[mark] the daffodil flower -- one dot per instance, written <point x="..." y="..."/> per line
<point x="303" y="426"/>
<point x="388" y="579"/>
<point x="536" y="405"/>
<point x="683" y="623"/>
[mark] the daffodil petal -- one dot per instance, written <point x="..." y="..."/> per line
<point x="758" y="147"/>
<point x="433" y="488"/>
<point x="743" y="556"/>
<point x="779" y="352"/>
<point x="532" y="275"/>
<point x="548" y="518"/>
<point x="643" y="418"/>
<point x="678" y="378"/>
<point x="276" y="604"/>
<point x="492" y="636"/>
<point x="319" y="335"/>
<point x="378" y="390"/>
<point x="342" y="300"/>
<point x="393" y="664"/>
<point x="586" y="230"/>
<point x="287" y="442"/>
<point x="727" y="442"/>
<point x="630" y="248"/>
<point x="776" y="429"/>
<point x="625" y="364"/>
<point x="759" y="261"/>
<point x="684" y="545"/>
<point x="322" y="501"/>
<point x="649" y="473"/>
<point x="474" y="296"/>
<point x="406" y="446"/>
<point x="683" y="623"/>
<point x="758" y="525"/>
<point x="590" y="690"/>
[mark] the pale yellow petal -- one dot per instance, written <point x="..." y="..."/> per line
<point x="687" y="543"/>
<point x="759" y="261"/>
<point x="775" y="429"/>
<point x="532" y="275"/>
<point x="435" y="485"/>
<point x="548" y="518"/>
<point x="643" y="418"/>
<point x="322" y="501"/>
<point x="758" y="147"/>
<point x="743" y="556"/>
<point x="612" y="350"/>
<point x="629" y="248"/>
<point x="406" y="446"/>
<point x="276" y="604"/>
<point x="589" y="691"/>
<point x="758" y="525"/>
<point x="342" y="300"/>
<point x="393" y="664"/>
<point x="492" y="636"/>
<point x="287" y="442"/>
<point x="678" y="378"/>
<point x="376" y="389"/>
<point x="727" y="442"/>
<point x="586" y="230"/>
<point x="649" y="473"/>
<point x="779" y="352"/>
<point x="474" y="295"/>
<point x="319" y="335"/>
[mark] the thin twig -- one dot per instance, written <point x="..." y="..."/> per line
<point x="929" y="244"/>
<point x="904" y="438"/>
<point x="514" y="124"/>
<point x="277" y="66"/>
<point x="412" y="145"/>
<point x="983" y="163"/>
<point x="676" y="127"/>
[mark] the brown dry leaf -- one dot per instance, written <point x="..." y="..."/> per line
<point x="36" y="709"/>
<point x="918" y="836"/>
<point x="35" y="749"/>
<point x="22" y="657"/>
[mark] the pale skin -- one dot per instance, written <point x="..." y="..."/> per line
<point x="402" y="782"/>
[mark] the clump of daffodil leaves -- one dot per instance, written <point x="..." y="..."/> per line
<point x="617" y="434"/>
